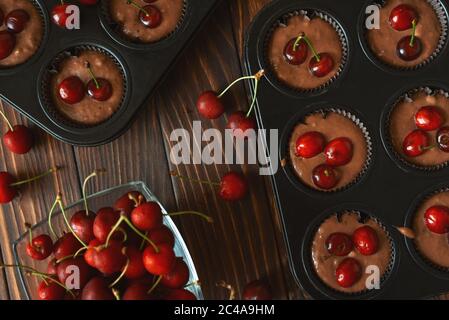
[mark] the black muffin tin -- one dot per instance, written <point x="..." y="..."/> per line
<point x="388" y="191"/>
<point x="143" y="67"/>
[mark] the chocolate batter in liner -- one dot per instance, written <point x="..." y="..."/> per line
<point x="134" y="40"/>
<point x="46" y="89"/>
<point x="362" y="152"/>
<point x="431" y="248"/>
<point x="396" y="129"/>
<point x="433" y="43"/>
<point x="313" y="84"/>
<point x="29" y="41"/>
<point x="324" y="265"/>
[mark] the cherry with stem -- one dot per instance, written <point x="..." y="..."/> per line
<point x="19" y="138"/>
<point x="98" y="88"/>
<point x="410" y="47"/>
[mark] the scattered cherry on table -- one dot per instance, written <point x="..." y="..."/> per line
<point x="257" y="290"/>
<point x="60" y="14"/>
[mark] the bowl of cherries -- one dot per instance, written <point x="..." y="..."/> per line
<point x="117" y="244"/>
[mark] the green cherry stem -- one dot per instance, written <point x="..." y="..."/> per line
<point x="177" y="175"/>
<point x="6" y="119"/>
<point x="196" y="213"/>
<point x="412" y="38"/>
<point x="95" y="173"/>
<point x="122" y="274"/>
<point x="306" y="39"/>
<point x="155" y="284"/>
<point x="116" y="294"/>
<point x="50" y="224"/>
<point x="92" y="75"/>
<point x="61" y="206"/>
<point x="137" y="6"/>
<point x="15" y="184"/>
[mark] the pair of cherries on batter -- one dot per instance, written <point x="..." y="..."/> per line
<point x="427" y="119"/>
<point x="339" y="244"/>
<point x="72" y="90"/>
<point x="15" y="22"/>
<point x="402" y="18"/>
<point x="338" y="152"/>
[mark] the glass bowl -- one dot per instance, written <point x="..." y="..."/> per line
<point x="105" y="198"/>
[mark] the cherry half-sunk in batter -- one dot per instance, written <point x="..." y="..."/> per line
<point x="98" y="88"/>
<point x="150" y="16"/>
<point x="402" y="17"/>
<point x="410" y="47"/>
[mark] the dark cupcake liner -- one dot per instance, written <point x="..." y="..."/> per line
<point x="45" y="89"/>
<point x="442" y="17"/>
<point x="324" y="111"/>
<point x="114" y="29"/>
<point x="417" y="255"/>
<point x="311" y="13"/>
<point x="398" y="157"/>
<point x="332" y="292"/>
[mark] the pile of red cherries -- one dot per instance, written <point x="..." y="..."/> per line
<point x="338" y="152"/>
<point x="338" y="244"/>
<point x="15" y="22"/>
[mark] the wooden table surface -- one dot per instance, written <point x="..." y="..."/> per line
<point x="244" y="243"/>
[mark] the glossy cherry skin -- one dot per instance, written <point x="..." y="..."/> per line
<point x="102" y="93"/>
<point x="408" y="52"/>
<point x="16" y="20"/>
<point x="402" y="17"/>
<point x="257" y="290"/>
<point x="20" y="140"/>
<point x="59" y="15"/>
<point x="151" y="17"/>
<point x="147" y="216"/>
<point x="135" y="269"/>
<point x="178" y="276"/>
<point x="137" y="291"/>
<point x="365" y="240"/>
<point x="50" y="290"/>
<point x="52" y="267"/>
<point x="240" y="124"/>
<point x="7" y="192"/>
<point x="111" y="259"/>
<point x="233" y="187"/>
<point x="416" y="143"/>
<point x="40" y="248"/>
<point x="66" y="246"/>
<point x="436" y="219"/>
<point x="310" y="144"/>
<point x="324" y="177"/>
<point x="71" y="90"/>
<point x="83" y="225"/>
<point x="348" y="273"/>
<point x="428" y="118"/>
<point x="65" y="269"/>
<point x="162" y="235"/>
<point x="443" y="139"/>
<point x="104" y="221"/>
<point x="159" y="263"/>
<point x="90" y="255"/>
<point x="209" y="105"/>
<point x="126" y="205"/>
<point x="179" y="294"/>
<point x="88" y="2"/>
<point x="322" y="67"/>
<point x="296" y="55"/>
<point x="339" y="244"/>
<point x="339" y="152"/>
<point x="97" y="289"/>
<point x="7" y="44"/>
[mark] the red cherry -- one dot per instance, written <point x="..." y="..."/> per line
<point x="443" y="139"/>
<point x="65" y="269"/>
<point x="40" y="247"/>
<point x="101" y="93"/>
<point x="159" y="263"/>
<point x="240" y="124"/>
<point x="19" y="140"/>
<point x="135" y="269"/>
<point x="416" y="143"/>
<point x="136" y="292"/>
<point x="402" y="17"/>
<point x="147" y="216"/>
<point x="128" y="202"/>
<point x="162" y="235"/>
<point x="66" y="246"/>
<point x="7" y="44"/>
<point x="209" y="105"/>
<point x="428" y="118"/>
<point x="16" y="20"/>
<point x="310" y="144"/>
<point x="97" y="289"/>
<point x="7" y="192"/>
<point x="88" y="2"/>
<point x="83" y="225"/>
<point x="324" y="177"/>
<point x="257" y="290"/>
<point x="339" y="244"/>
<point x="104" y="221"/>
<point x="322" y="67"/>
<point x="348" y="272"/>
<point x="59" y="15"/>
<point x="150" y="16"/>
<point x="179" y="294"/>
<point x="90" y="256"/>
<point x="407" y="51"/>
<point x="52" y="267"/>
<point x="178" y="276"/>
<point x="339" y="152"/>
<point x="50" y="290"/>
<point x="233" y="187"/>
<point x="436" y="219"/>
<point x="296" y="55"/>
<point x="71" y="90"/>
<point x="111" y="259"/>
<point x="365" y="240"/>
